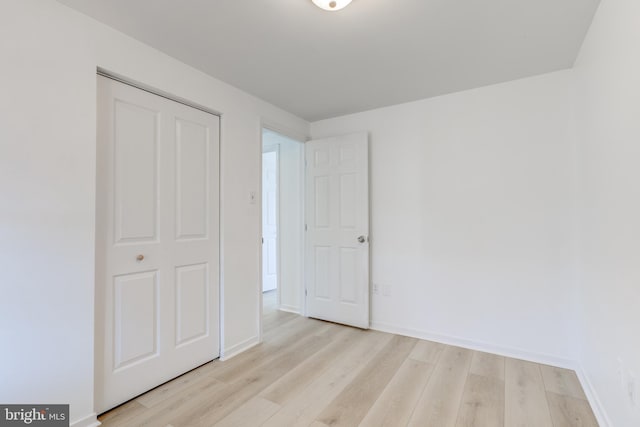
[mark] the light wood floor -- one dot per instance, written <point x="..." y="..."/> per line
<point x="313" y="373"/>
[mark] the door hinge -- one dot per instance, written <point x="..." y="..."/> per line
<point x="263" y="240"/>
<point x="305" y="227"/>
<point x="305" y="292"/>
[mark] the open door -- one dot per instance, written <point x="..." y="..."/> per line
<point x="337" y="224"/>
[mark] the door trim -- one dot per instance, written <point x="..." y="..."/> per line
<point x="130" y="82"/>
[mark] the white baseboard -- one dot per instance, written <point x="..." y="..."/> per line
<point x="88" y="421"/>
<point x="593" y="398"/>
<point x="515" y="353"/>
<point x="236" y="349"/>
<point x="289" y="308"/>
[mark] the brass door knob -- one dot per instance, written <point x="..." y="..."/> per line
<point x="140" y="257"/>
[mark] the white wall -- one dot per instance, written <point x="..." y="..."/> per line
<point x="471" y="204"/>
<point x="48" y="60"/>
<point x="607" y="75"/>
<point x="291" y="202"/>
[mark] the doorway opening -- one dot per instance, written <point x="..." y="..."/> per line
<point x="282" y="223"/>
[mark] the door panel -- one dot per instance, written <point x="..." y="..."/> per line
<point x="192" y="314"/>
<point x="136" y="175"/>
<point x="157" y="241"/>
<point x="322" y="203"/>
<point x="136" y="309"/>
<point x="348" y="275"/>
<point x="347" y="201"/>
<point x="192" y="180"/>
<point x="322" y="268"/>
<point x="337" y="266"/>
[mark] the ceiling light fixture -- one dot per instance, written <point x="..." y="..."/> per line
<point x="331" y="5"/>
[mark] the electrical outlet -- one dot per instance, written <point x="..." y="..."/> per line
<point x="252" y="197"/>
<point x="376" y="288"/>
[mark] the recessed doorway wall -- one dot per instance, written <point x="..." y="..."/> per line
<point x="282" y="219"/>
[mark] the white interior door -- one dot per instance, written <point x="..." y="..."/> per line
<point x="270" y="219"/>
<point x="337" y="222"/>
<point x="157" y="286"/>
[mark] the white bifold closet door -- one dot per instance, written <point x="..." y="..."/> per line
<point x="157" y="254"/>
<point x="337" y="223"/>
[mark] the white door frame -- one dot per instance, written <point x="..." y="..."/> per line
<point x="97" y="253"/>
<point x="266" y="124"/>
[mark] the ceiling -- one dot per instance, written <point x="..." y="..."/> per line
<point x="373" y="53"/>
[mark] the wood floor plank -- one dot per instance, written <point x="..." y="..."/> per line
<point x="350" y="406"/>
<point x="482" y="402"/>
<point x="488" y="365"/>
<point x="234" y="395"/>
<point x="395" y="405"/>
<point x="525" y="398"/>
<point x="123" y="414"/>
<point x="183" y="403"/>
<point x="302" y="410"/>
<point x="211" y="405"/>
<point x="252" y="382"/>
<point x="250" y="414"/>
<point x="171" y="388"/>
<point x="567" y="411"/>
<point x="427" y="351"/>
<point x="269" y="351"/>
<point x="297" y="379"/>
<point x="562" y="381"/>
<point x="271" y="316"/>
<point x="278" y="338"/>
<point x="274" y="321"/>
<point x="440" y="400"/>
